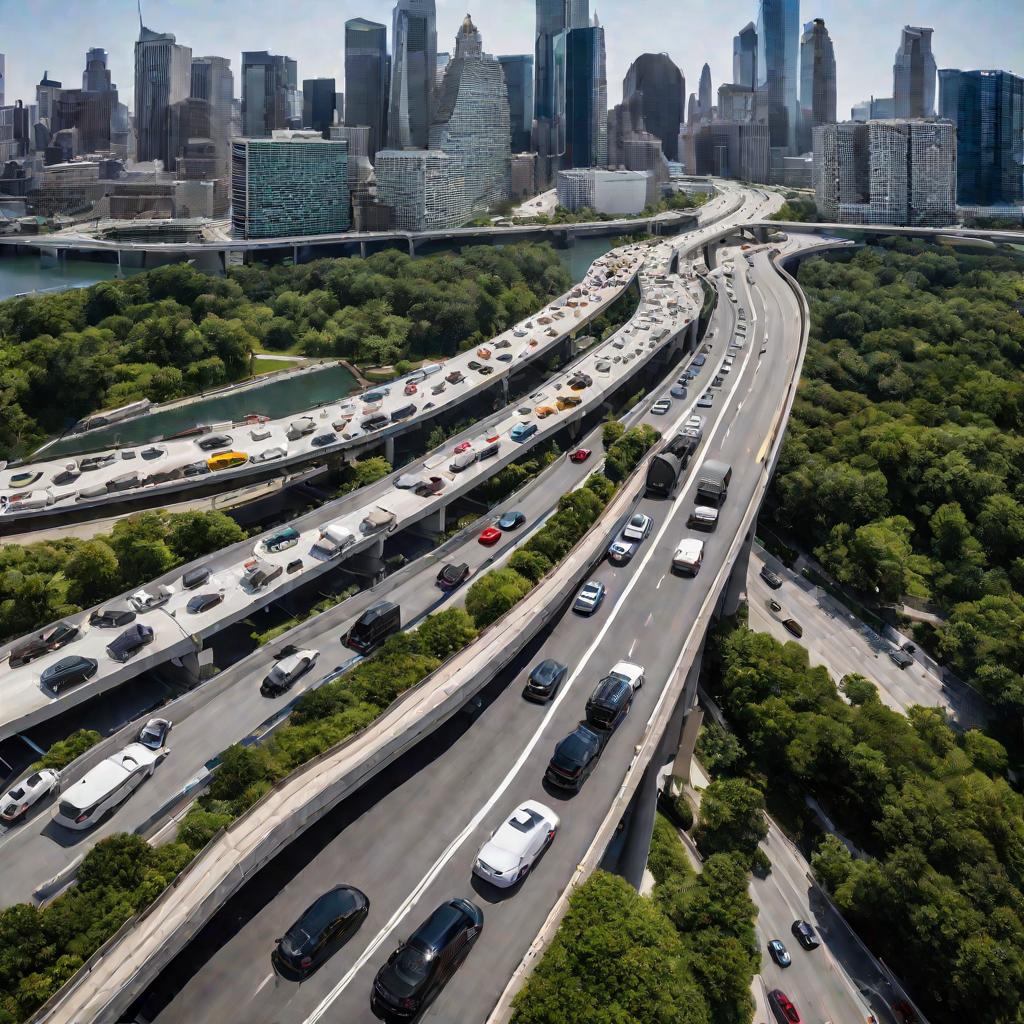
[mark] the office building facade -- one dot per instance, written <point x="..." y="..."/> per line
<point x="817" y="81"/>
<point x="294" y="183"/>
<point x="732" y="149"/>
<point x="661" y="88"/>
<point x="413" y="73"/>
<point x="518" y="70"/>
<point x="271" y="100"/>
<point x="318" y="103"/>
<point x="163" y="77"/>
<point x="609" y="192"/>
<point x="987" y="108"/>
<point x="582" y="96"/>
<point x="744" y="56"/>
<point x="704" y="94"/>
<point x="213" y="84"/>
<point x="418" y="185"/>
<point x="367" y="79"/>
<point x="913" y="74"/>
<point x="778" y="45"/>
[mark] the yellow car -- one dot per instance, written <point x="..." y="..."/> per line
<point x="543" y="411"/>
<point x="568" y="402"/>
<point x="226" y="460"/>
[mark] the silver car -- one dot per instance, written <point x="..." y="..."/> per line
<point x="638" y="527"/>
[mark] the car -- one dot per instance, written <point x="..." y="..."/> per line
<point x="718" y="381"/>
<point x="21" y="798"/>
<point x="511" y="521"/>
<point x="580" y="455"/>
<point x="420" y="967"/>
<point x="678" y="391"/>
<point x="706" y="400"/>
<point x="580" y="381"/>
<point x="260" y="433"/>
<point x="805" y="934"/>
<point x="486" y="371"/>
<point x="154" y="733"/>
<point x="772" y="579"/>
<point x="428" y="488"/>
<point x="620" y="552"/>
<point x="462" y="446"/>
<point x="111" y="618"/>
<point x="130" y="642"/>
<point x="439" y="388"/>
<point x="574" y="758"/>
<point x="372" y="397"/>
<point x="152" y="453"/>
<point x="411" y="388"/>
<point x="564" y="402"/>
<point x="628" y="672"/>
<point x="490" y="535"/>
<point x="196" y="577"/>
<point x="329" y="921"/>
<point x="144" y="601"/>
<point x="782" y="1007"/>
<point x="204" y="602"/>
<point x="661" y="407"/>
<point x="900" y="658"/>
<point x="289" y="668"/>
<point x="516" y="845"/>
<point x="67" y="672"/>
<point x="794" y="627"/>
<point x="214" y="441"/>
<point x="323" y="439"/>
<point x="53" y="638"/>
<point x="523" y="431"/>
<point x="25" y="479"/>
<point x="589" y="598"/>
<point x="452" y="575"/>
<point x="638" y="527"/>
<point x="778" y="952"/>
<point x="474" y="365"/>
<point x="544" y="411"/>
<point x="544" y="680"/>
<point x="196" y="469"/>
<point x="280" y="540"/>
<point x="455" y="377"/>
<point x="87" y="464"/>
<point x="774" y="605"/>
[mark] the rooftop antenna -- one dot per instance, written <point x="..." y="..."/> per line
<point x="141" y="26"/>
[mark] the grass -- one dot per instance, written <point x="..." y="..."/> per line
<point x="268" y="365"/>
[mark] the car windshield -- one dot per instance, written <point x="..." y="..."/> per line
<point x="638" y="521"/>
<point x="296" y="940"/>
<point x="545" y="672"/>
<point x="413" y="963"/>
<point x="150" y="733"/>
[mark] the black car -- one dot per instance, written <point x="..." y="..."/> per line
<point x="609" y="703"/>
<point x="195" y="577"/>
<point x="417" y="971"/>
<point x="805" y="935"/>
<point x="91" y="462"/>
<point x="486" y="371"/>
<point x="53" y="638"/>
<point x="327" y="922"/>
<point x="151" y="453"/>
<point x="111" y="618"/>
<point x="900" y="658"/>
<point x="574" y="758"/>
<point x="794" y="627"/>
<point x="321" y="439"/>
<point x="375" y="423"/>
<point x="774" y="581"/>
<point x="68" y="672"/>
<point x="545" y="680"/>
<point x="204" y="602"/>
<point x="213" y="442"/>
<point x="130" y="642"/>
<point x="453" y="575"/>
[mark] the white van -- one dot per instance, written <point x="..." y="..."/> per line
<point x="688" y="557"/>
<point x="463" y="460"/>
<point x="100" y="790"/>
<point x="334" y="538"/>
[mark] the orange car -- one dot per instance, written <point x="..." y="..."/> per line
<point x="543" y="411"/>
<point x="484" y="353"/>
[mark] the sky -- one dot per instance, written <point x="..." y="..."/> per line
<point x="53" y="35"/>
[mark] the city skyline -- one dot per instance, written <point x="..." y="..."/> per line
<point x="969" y="34"/>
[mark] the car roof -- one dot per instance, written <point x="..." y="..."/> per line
<point x="442" y="925"/>
<point x="342" y="899"/>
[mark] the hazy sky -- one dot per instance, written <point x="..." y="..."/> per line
<point x="53" y="35"/>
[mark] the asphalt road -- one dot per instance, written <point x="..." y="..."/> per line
<point x="415" y="845"/>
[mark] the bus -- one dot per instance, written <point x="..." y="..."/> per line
<point x="112" y="781"/>
<point x="227" y="460"/>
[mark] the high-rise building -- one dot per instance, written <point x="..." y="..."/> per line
<point x="163" y="77"/>
<point x="207" y="157"/>
<point x="582" y="96"/>
<point x="367" y="78"/>
<point x="413" y="73"/>
<point x="3" y="78"/>
<point x="518" y="69"/>
<point x="731" y="149"/>
<point x="294" y="183"/>
<point x="213" y="81"/>
<point x="899" y="172"/>
<point x="630" y="146"/>
<point x="661" y="89"/>
<point x="418" y="185"/>
<point x="46" y="94"/>
<point x="90" y="112"/>
<point x="913" y="74"/>
<point x="704" y="100"/>
<point x="987" y="108"/>
<point x="603" y="191"/>
<point x="318" y="99"/>
<point x="271" y="100"/>
<point x="96" y="77"/>
<point x="740" y="103"/>
<point x="778" y="46"/>
<point x="817" y="81"/>
<point x="440" y="68"/>
<point x="471" y="125"/>
<point x="744" y="56"/>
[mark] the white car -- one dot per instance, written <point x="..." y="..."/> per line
<point x="269" y="455"/>
<point x="288" y="669"/>
<point x="629" y="673"/>
<point x="506" y="858"/>
<point x="260" y="433"/>
<point x="688" y="557"/>
<point x="695" y="423"/>
<point x="638" y="527"/>
<point x="16" y="803"/>
<point x="144" y="601"/>
<point x="661" y="407"/>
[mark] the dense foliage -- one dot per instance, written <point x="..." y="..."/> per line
<point x="585" y="215"/>
<point x="47" y="580"/>
<point x="175" y="331"/>
<point x="797" y="208"/>
<point x="904" y="459"/>
<point x="940" y="891"/>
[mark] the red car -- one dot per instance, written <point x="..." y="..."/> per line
<point x="580" y="455"/>
<point x="411" y="389"/>
<point x="783" y="1008"/>
<point x="491" y="535"/>
<point x="462" y="446"/>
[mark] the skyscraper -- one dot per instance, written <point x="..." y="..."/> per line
<point x="744" y="56"/>
<point x="367" y="78"/>
<point x="704" y="92"/>
<point x="163" y="77"/>
<point x="96" y="77"/>
<point x="270" y="93"/>
<point x="583" y="96"/>
<point x="413" y="70"/>
<point x="213" y="85"/>
<point x="46" y="95"/>
<point x="913" y="74"/>
<point x="518" y="69"/>
<point x="778" y="43"/>
<point x="987" y="108"/>
<point x="817" y="81"/>
<point x="318" y="98"/>
<point x="661" y="89"/>
<point x="3" y="77"/>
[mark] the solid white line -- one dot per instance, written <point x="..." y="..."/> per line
<point x="474" y="823"/>
<point x="631" y="646"/>
<point x="263" y="984"/>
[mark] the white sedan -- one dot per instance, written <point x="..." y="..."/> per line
<point x="506" y="858"/>
<point x="16" y="803"/>
<point x="288" y="669"/>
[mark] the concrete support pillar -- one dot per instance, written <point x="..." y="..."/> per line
<point x="736" y="589"/>
<point x="504" y="390"/>
<point x="687" y="743"/>
<point x="389" y="449"/>
<point x="378" y="548"/>
<point x="186" y="670"/>
<point x="692" y="335"/>
<point x="435" y="524"/>
<point x="575" y="428"/>
<point x="412" y="246"/>
<point x="362" y="250"/>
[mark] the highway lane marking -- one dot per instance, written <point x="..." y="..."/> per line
<point x="474" y="823"/>
<point x="631" y="646"/>
<point x="263" y="984"/>
<point x="659" y="583"/>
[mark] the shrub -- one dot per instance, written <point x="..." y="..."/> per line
<point x="531" y="564"/>
<point x="63" y="752"/>
<point x="494" y="594"/>
<point x="443" y="634"/>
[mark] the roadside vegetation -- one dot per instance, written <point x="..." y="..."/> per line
<point x="175" y="331"/>
<point x="40" y="949"/>
<point x="677" y="201"/>
<point x="797" y="208"/>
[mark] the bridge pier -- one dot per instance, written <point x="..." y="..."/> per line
<point x="434" y="525"/>
<point x="389" y="450"/>
<point x="736" y="589"/>
<point x="412" y="246"/>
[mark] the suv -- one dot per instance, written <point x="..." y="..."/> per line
<point x="545" y="680"/>
<point x="574" y="759"/>
<point x="290" y="666"/>
<point x="417" y="971"/>
<point x="900" y="658"/>
<point x="609" y="703"/>
<point x="130" y="642"/>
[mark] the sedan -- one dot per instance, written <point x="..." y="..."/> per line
<point x="511" y="521"/>
<point x="287" y="671"/>
<point x="544" y="680"/>
<point x="453" y="575"/>
<point x="204" y="602"/>
<point x="900" y="658"/>
<point x="330" y="920"/>
<point x="794" y="627"/>
<point x="474" y="365"/>
<point x="580" y="455"/>
<point x="638" y="527"/>
<point x="778" y="952"/>
<point x="490" y="535"/>
<point x="589" y="598"/>
<point x="515" y="846"/>
<point x="53" y="638"/>
<point x="154" y="733"/>
<point x="574" y="759"/>
<point x="111" y="618"/>
<point x="505" y="357"/>
<point x="16" y="803"/>
<point x="782" y="1007"/>
<point x="130" y="642"/>
<point x="213" y="442"/>
<point x="67" y="672"/>
<point x="706" y="400"/>
<point x="620" y="552"/>
<point x="486" y="371"/>
<point x="805" y="935"/>
<point x="678" y="391"/>
<point x="661" y="407"/>
<point x="772" y="579"/>
<point x="323" y="439"/>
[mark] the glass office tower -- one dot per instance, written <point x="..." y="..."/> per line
<point x="661" y="89"/>
<point x="270" y="89"/>
<point x="582" y="101"/>
<point x="913" y="74"/>
<point x="318" y="98"/>
<point x="518" y="69"/>
<point x="817" y="81"/>
<point x="744" y="56"/>
<point x="367" y="78"/>
<point x="778" y="44"/>
<point x="413" y="74"/>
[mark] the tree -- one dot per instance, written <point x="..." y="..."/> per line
<point x="731" y="818"/>
<point x="443" y="634"/>
<point x="194" y="534"/>
<point x="494" y="594"/>
<point x="63" y="752"/>
<point x="858" y="689"/>
<point x="831" y="862"/>
<point x="93" y="573"/>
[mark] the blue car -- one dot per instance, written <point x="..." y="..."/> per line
<point x="511" y="521"/>
<point x="522" y="431"/>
